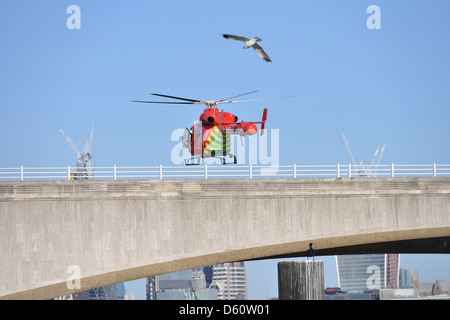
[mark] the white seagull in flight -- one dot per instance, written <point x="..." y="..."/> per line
<point x="250" y="43"/>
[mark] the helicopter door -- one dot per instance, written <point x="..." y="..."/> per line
<point x="187" y="139"/>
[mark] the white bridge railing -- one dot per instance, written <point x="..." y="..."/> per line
<point x="224" y="171"/>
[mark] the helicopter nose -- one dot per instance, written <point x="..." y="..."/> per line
<point x="250" y="129"/>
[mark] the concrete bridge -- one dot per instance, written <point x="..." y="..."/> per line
<point x="59" y="237"/>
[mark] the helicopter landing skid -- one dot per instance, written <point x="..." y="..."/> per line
<point x="231" y="156"/>
<point x="190" y="162"/>
<point x="196" y="161"/>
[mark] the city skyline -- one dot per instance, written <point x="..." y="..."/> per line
<point x="262" y="278"/>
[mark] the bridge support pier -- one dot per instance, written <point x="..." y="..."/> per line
<point x="300" y="280"/>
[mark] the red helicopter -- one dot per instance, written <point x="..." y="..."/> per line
<point x="209" y="137"/>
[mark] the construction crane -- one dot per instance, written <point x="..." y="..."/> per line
<point x="369" y="170"/>
<point x="377" y="159"/>
<point x="84" y="157"/>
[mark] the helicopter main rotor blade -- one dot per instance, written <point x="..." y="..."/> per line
<point x="166" y="102"/>
<point x="238" y="95"/>
<point x="261" y="99"/>
<point x="172" y="97"/>
<point x="208" y="103"/>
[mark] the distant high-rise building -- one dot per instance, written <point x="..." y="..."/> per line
<point x="182" y="285"/>
<point x="414" y="278"/>
<point x="404" y="280"/>
<point x="174" y="286"/>
<point x="226" y="281"/>
<point x="112" y="292"/>
<point x="392" y="270"/>
<point x="150" y="288"/>
<point x="231" y="280"/>
<point x="208" y="271"/>
<point x="359" y="273"/>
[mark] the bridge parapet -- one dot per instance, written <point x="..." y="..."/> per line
<point x="227" y="171"/>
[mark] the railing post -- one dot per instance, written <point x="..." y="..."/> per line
<point x="160" y="172"/>
<point x="68" y="172"/>
<point x="392" y="170"/>
<point x="206" y="171"/>
<point x="338" y="167"/>
<point x="114" y="172"/>
<point x="295" y="171"/>
<point x="250" y="169"/>
<point x="349" y="170"/>
<point x="434" y="170"/>
<point x="21" y="173"/>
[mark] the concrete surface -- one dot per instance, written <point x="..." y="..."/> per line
<point x="58" y="237"/>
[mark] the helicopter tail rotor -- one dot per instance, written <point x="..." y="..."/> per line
<point x="264" y="118"/>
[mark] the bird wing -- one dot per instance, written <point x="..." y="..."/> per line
<point x="261" y="52"/>
<point x="231" y="37"/>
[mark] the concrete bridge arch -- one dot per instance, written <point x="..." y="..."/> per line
<point x="120" y="230"/>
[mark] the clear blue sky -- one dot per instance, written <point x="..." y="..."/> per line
<point x="377" y="86"/>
